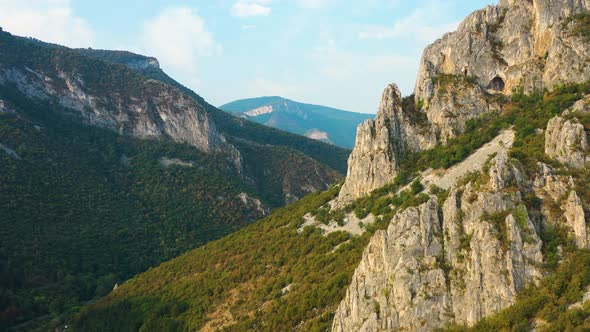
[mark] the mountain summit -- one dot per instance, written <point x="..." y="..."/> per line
<point x="314" y="121"/>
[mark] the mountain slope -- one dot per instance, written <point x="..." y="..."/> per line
<point x="107" y="172"/>
<point x="287" y="271"/>
<point x="314" y="121"/>
<point x="232" y="127"/>
<point x="437" y="256"/>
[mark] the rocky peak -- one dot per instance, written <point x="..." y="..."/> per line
<point x="518" y="43"/>
<point x="566" y="139"/>
<point x="379" y="143"/>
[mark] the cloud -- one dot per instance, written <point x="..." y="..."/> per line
<point x="49" y="20"/>
<point x="178" y="37"/>
<point x="424" y="24"/>
<point x="249" y="8"/>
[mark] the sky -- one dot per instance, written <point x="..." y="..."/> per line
<point x="337" y="53"/>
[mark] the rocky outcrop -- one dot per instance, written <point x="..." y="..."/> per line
<point x="143" y="63"/>
<point x="254" y="204"/>
<point x="457" y="100"/>
<point x="460" y="260"/>
<point x="518" y="43"/>
<point x="567" y="141"/>
<point x="380" y="144"/>
<point x="576" y="220"/>
<point x="529" y="44"/>
<point x="455" y="262"/>
<point x="10" y="152"/>
<point x="561" y="204"/>
<point x="157" y="110"/>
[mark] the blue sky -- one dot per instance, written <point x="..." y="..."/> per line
<point x="337" y="53"/>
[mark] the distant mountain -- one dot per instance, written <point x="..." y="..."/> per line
<point x="314" y="121"/>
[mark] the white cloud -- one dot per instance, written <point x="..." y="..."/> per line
<point x="424" y="24"/>
<point x="249" y="8"/>
<point x="178" y="37"/>
<point x="49" y="20"/>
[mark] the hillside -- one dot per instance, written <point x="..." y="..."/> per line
<point x="314" y="121"/>
<point x="107" y="172"/>
<point x="285" y="273"/>
<point x="234" y="128"/>
<point x="465" y="206"/>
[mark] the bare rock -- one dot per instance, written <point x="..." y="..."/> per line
<point x="375" y="157"/>
<point x="567" y="142"/>
<point x="576" y="219"/>
<point x="458" y="262"/>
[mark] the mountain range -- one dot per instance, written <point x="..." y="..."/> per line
<point x="314" y="121"/>
<point x="110" y="167"/>
<point x="465" y="206"/>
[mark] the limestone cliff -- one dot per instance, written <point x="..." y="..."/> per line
<point x="566" y="139"/>
<point x="154" y="111"/>
<point x="466" y="257"/>
<point x="379" y="145"/>
<point x="528" y="44"/>
<point x="518" y="43"/>
<point x="452" y="261"/>
<point x="460" y="259"/>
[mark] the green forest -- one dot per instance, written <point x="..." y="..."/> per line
<point x="243" y="276"/>
<point x="83" y="209"/>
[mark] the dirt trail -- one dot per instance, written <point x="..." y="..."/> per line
<point x="445" y="179"/>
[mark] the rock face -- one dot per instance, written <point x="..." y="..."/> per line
<point x="567" y="142"/>
<point x="158" y="110"/>
<point x="452" y="262"/>
<point x="460" y="260"/>
<point x="518" y="43"/>
<point x="561" y="204"/>
<point x="254" y="203"/>
<point x="380" y="143"/>
<point x="528" y="44"/>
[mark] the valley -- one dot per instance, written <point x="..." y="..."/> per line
<point x="129" y="203"/>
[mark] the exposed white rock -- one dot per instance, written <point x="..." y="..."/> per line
<point x="446" y="179"/>
<point x="516" y="43"/>
<point x="379" y="144"/>
<point x="576" y="219"/>
<point x="468" y="258"/>
<point x="11" y="153"/>
<point x="254" y="203"/>
<point x="167" y="162"/>
<point x="318" y="135"/>
<point x="260" y="111"/>
<point x="567" y="142"/>
<point x="350" y="224"/>
<point x="156" y="110"/>
<point x="451" y="263"/>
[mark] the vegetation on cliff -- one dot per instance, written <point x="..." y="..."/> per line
<point x="268" y="276"/>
